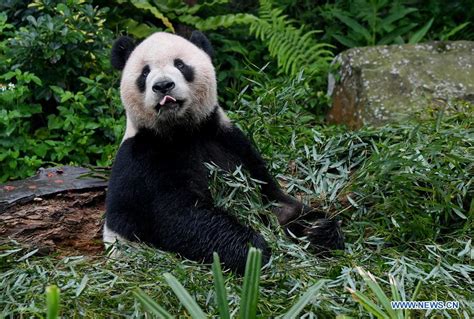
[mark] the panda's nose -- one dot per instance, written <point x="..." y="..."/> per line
<point x="163" y="86"/>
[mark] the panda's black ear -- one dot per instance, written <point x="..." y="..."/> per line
<point x="200" y="40"/>
<point x="121" y="50"/>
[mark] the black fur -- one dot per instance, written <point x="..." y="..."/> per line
<point x="186" y="70"/>
<point x="141" y="80"/>
<point x="158" y="193"/>
<point x="121" y="51"/>
<point x="201" y="41"/>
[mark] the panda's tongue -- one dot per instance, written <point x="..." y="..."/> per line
<point x="167" y="98"/>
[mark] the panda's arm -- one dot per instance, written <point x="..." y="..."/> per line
<point x="235" y="142"/>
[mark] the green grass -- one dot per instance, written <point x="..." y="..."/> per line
<point x="404" y="192"/>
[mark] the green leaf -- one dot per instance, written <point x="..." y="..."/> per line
<point x="345" y="41"/>
<point x="183" y="295"/>
<point x="304" y="300"/>
<point x="249" y="297"/>
<point x="150" y="305"/>
<point x="417" y="36"/>
<point x="368" y="304"/>
<point x="377" y="290"/>
<point x="221" y="295"/>
<point x="354" y="25"/>
<point x="52" y="302"/>
<point x="395" y="294"/>
<point x="454" y="31"/>
<point x="396" y="15"/>
<point x="82" y="285"/>
<point x="144" y="4"/>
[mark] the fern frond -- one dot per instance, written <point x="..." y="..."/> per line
<point x="292" y="47"/>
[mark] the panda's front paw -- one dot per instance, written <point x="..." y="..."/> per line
<point x="324" y="234"/>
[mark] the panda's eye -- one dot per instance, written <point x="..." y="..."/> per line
<point x="179" y="64"/>
<point x="145" y="71"/>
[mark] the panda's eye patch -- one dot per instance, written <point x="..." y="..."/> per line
<point x="141" y="81"/>
<point x="186" y="70"/>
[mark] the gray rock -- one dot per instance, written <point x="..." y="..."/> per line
<point x="379" y="84"/>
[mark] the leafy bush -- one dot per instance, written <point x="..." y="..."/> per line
<point x="76" y="133"/>
<point x="15" y="126"/>
<point x="374" y="22"/>
<point x="60" y="102"/>
<point x="58" y="42"/>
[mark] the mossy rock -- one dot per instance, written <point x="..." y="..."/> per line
<point x="380" y="84"/>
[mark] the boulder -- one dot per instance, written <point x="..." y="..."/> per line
<point x="376" y="85"/>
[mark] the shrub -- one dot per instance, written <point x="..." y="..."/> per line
<point x="60" y="101"/>
<point x="58" y="42"/>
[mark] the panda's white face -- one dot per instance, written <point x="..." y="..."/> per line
<point x="167" y="79"/>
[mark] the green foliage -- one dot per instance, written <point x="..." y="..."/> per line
<point x="59" y="42"/>
<point x="59" y="102"/>
<point x="371" y="22"/>
<point x="76" y="133"/>
<point x="321" y="165"/>
<point x="15" y="126"/>
<point x="293" y="48"/>
<point x="248" y="300"/>
<point x="398" y="294"/>
<point x="420" y="177"/>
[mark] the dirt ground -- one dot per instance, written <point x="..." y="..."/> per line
<point x="67" y="223"/>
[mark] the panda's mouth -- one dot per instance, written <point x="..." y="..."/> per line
<point x="168" y="102"/>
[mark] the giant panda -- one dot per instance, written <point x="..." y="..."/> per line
<point x="158" y="191"/>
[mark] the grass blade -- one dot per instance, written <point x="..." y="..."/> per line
<point x="52" y="302"/>
<point x="183" y="295"/>
<point x="150" y="306"/>
<point x="377" y="290"/>
<point x="221" y="295"/>
<point x="368" y="304"/>
<point x="304" y="300"/>
<point x="395" y="294"/>
<point x="249" y="298"/>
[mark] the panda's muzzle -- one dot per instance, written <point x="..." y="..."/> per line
<point x="163" y="89"/>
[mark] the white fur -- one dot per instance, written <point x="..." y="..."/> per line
<point x="159" y="51"/>
<point x="223" y="118"/>
<point x="130" y="130"/>
<point x="110" y="237"/>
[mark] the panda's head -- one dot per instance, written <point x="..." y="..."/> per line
<point x="166" y="79"/>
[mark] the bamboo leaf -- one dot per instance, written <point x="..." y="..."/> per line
<point x="249" y="297"/>
<point x="304" y="300"/>
<point x="368" y="304"/>
<point x="183" y="295"/>
<point x="221" y="295"/>
<point x="150" y="306"/>
<point x="377" y="290"/>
